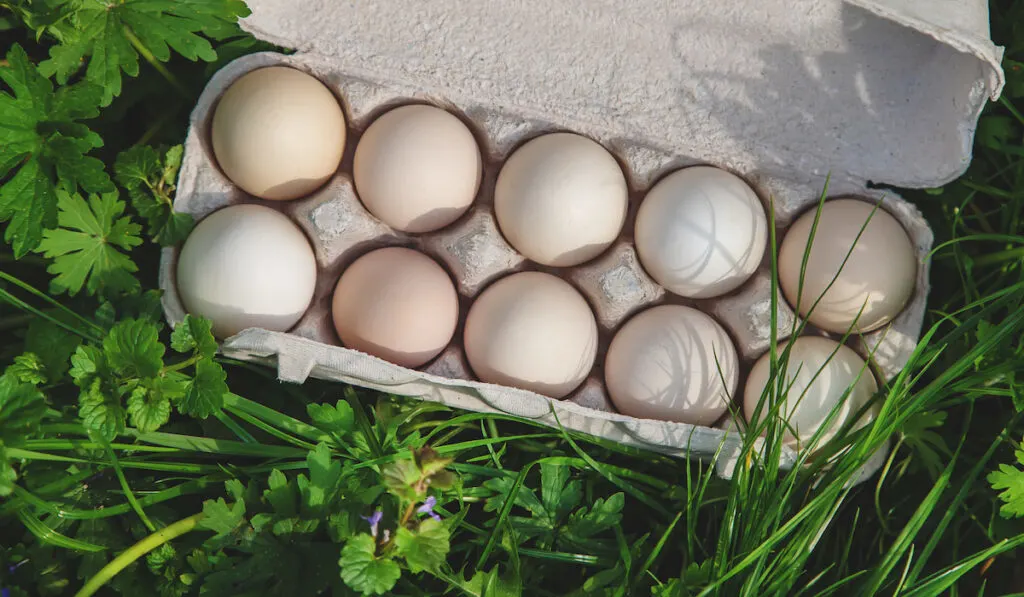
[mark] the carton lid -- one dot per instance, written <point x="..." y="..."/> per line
<point x="886" y="91"/>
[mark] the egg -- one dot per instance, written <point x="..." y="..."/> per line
<point x="561" y="199"/>
<point x="247" y="266"/>
<point x="672" y="363"/>
<point x="878" y="275"/>
<point x="534" y="331"/>
<point x="701" y="232"/>
<point x="417" y="168"/>
<point x="278" y="133"/>
<point x="818" y="374"/>
<point x="396" y="304"/>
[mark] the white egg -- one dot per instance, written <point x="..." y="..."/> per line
<point x="533" y="331"/>
<point x="247" y="266"/>
<point x="672" y="363"/>
<point x="870" y="288"/>
<point x="821" y="375"/>
<point x="701" y="232"/>
<point x="278" y="133"/>
<point x="561" y="199"/>
<point x="417" y="168"/>
<point x="396" y="304"/>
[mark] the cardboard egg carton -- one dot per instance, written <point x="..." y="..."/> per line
<point x="862" y="91"/>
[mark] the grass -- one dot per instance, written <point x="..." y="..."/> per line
<point x="926" y="524"/>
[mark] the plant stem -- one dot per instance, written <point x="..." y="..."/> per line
<point x="156" y="64"/>
<point x="138" y="550"/>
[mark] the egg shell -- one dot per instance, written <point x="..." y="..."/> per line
<point x="396" y="304"/>
<point x="701" y="232"/>
<point x="561" y="199"/>
<point x="278" y="133"/>
<point x="818" y="374"/>
<point x="417" y="168"/>
<point x="247" y="266"/>
<point x="672" y="363"/>
<point x="878" y="275"/>
<point x="534" y="331"/>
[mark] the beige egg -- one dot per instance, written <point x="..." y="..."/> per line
<point x="246" y="266"/>
<point x="821" y="375"/>
<point x="533" y="331"/>
<point x="878" y="275"/>
<point x="701" y="232"/>
<point x="278" y="133"/>
<point x="672" y="363"/>
<point x="561" y="199"/>
<point x="396" y="304"/>
<point x="417" y="168"/>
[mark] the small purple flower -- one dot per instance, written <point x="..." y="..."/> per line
<point x="5" y="592"/>
<point x="374" y="520"/>
<point x="428" y="508"/>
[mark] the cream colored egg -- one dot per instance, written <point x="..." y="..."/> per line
<point x="672" y="363"/>
<point x="878" y="275"/>
<point x="819" y="373"/>
<point x="278" y="133"/>
<point x="396" y="304"/>
<point x="561" y="199"/>
<point x="701" y="232"/>
<point x="247" y="266"/>
<point x="533" y="331"/>
<point x="417" y="168"/>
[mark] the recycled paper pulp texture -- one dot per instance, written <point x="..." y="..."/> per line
<point x="782" y="93"/>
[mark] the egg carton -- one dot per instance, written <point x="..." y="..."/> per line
<point x="855" y="91"/>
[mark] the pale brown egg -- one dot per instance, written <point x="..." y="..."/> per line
<point x="396" y="304"/>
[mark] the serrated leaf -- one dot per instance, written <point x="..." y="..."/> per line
<point x="22" y="407"/>
<point x="221" y="518"/>
<point x="338" y="419"/>
<point x="101" y="411"/>
<point x="148" y="411"/>
<point x="133" y="348"/>
<point x="492" y="584"/>
<point x="84" y="248"/>
<point x="425" y="548"/>
<point x="43" y="149"/>
<point x="1010" y="480"/>
<point x="28" y="368"/>
<point x="106" y="35"/>
<point x="86" y="363"/>
<point x="400" y="476"/>
<point x="194" y="334"/>
<point x="363" y="571"/>
<point x="280" y="495"/>
<point x="204" y="394"/>
<point x="53" y="345"/>
<point x="602" y="516"/>
<point x="150" y="183"/>
<point x="324" y="478"/>
<point x="558" y="495"/>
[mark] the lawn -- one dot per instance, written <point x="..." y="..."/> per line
<point x="251" y="487"/>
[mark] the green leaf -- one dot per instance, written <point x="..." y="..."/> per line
<point x="150" y="182"/>
<point x="995" y="131"/>
<point x="21" y="409"/>
<point x="400" y="477"/>
<point x="148" y="411"/>
<point x="280" y="495"/>
<point x="108" y="35"/>
<point x="558" y="495"/>
<point x="425" y="548"/>
<point x="84" y="248"/>
<point x="221" y="518"/>
<point x="133" y="348"/>
<point x="194" y="335"/>
<point x="28" y="368"/>
<point x="324" y="478"/>
<point x="363" y="571"/>
<point x="43" y="149"/>
<point x="204" y="394"/>
<point x="8" y="476"/>
<point x="602" y="516"/>
<point x="101" y="411"/>
<point x="338" y="419"/>
<point x="492" y="584"/>
<point x="1010" y="480"/>
<point x="86" y="364"/>
<point x="53" y="345"/>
